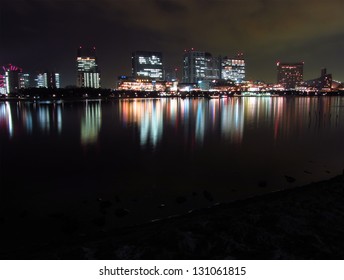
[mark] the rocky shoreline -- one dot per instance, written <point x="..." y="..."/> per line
<point x="301" y="223"/>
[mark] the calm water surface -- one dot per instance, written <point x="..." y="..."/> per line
<point x="160" y="157"/>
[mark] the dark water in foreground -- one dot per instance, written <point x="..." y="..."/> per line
<point x="160" y="157"/>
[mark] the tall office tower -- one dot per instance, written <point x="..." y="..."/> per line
<point x="147" y="65"/>
<point x="88" y="74"/>
<point x="233" y="68"/>
<point x="56" y="80"/>
<point x="24" y="80"/>
<point x="48" y="80"/>
<point x="212" y="67"/>
<point x="290" y="75"/>
<point x="2" y="84"/>
<point x="200" y="66"/>
<point x="12" y="78"/>
<point x="41" y="81"/>
<point x="194" y="66"/>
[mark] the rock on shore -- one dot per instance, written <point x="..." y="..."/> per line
<point x="301" y="223"/>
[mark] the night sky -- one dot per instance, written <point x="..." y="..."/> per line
<point x="45" y="34"/>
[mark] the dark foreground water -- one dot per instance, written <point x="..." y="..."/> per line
<point x="113" y="163"/>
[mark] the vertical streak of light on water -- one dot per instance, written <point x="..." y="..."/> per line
<point x="10" y="123"/>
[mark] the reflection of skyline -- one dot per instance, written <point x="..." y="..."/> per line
<point x="44" y="118"/>
<point x="296" y="116"/>
<point x="188" y="117"/>
<point x="6" y="118"/>
<point x="200" y="123"/>
<point x="147" y="115"/>
<point x="232" y="120"/>
<point x="197" y="121"/>
<point x="26" y="117"/>
<point x="91" y="123"/>
<point x="197" y="118"/>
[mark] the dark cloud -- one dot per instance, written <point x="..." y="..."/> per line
<point x="170" y="6"/>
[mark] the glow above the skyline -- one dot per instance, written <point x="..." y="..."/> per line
<point x="265" y="30"/>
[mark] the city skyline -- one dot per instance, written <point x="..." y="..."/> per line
<point x="265" y="31"/>
<point x="200" y="68"/>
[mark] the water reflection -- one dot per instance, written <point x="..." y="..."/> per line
<point x="44" y="117"/>
<point x="147" y="115"/>
<point x="200" y="123"/>
<point x="18" y="118"/>
<point x="232" y="120"/>
<point x="196" y="121"/>
<point x="6" y="123"/>
<point x="27" y="120"/>
<point x="152" y="151"/>
<point x="59" y="119"/>
<point x="91" y="123"/>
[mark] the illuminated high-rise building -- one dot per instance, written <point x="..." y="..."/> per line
<point x="24" y="80"/>
<point x="40" y="81"/>
<point x="12" y="78"/>
<point x="212" y="67"/>
<point x="147" y="64"/>
<point x="56" y="80"/>
<point x="290" y="75"/>
<point x="233" y="69"/>
<point x="48" y="80"/>
<point x="88" y="74"/>
<point x="2" y="84"/>
<point x="200" y="67"/>
<point x="194" y="66"/>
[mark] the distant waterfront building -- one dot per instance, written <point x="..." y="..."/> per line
<point x="324" y="82"/>
<point x="48" y="80"/>
<point x="88" y="74"/>
<point x="2" y="84"/>
<point x="212" y="67"/>
<point x="24" y="80"/>
<point x="194" y="66"/>
<point x="200" y="67"/>
<point x="12" y="78"/>
<point x="132" y="84"/>
<point x="233" y="69"/>
<point x="171" y="75"/>
<point x="146" y="64"/>
<point x="290" y="75"/>
<point x="40" y="81"/>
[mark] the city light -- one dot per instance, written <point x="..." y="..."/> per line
<point x="202" y="72"/>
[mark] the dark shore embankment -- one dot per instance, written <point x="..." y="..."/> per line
<point x="301" y="223"/>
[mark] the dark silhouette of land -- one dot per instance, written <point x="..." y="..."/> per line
<point x="301" y="223"/>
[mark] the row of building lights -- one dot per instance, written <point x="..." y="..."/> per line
<point x="201" y="70"/>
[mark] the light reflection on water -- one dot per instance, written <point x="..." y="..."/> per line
<point x="198" y="119"/>
<point x="153" y="150"/>
<point x="6" y="123"/>
<point x="91" y="123"/>
<point x="19" y="118"/>
<point x="285" y="128"/>
<point x="232" y="120"/>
